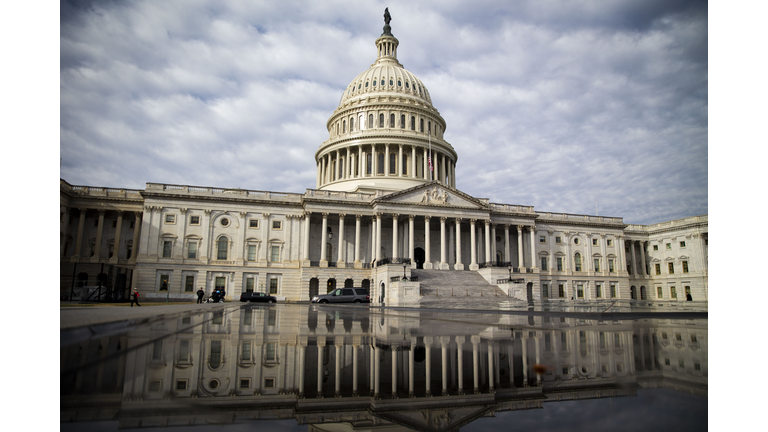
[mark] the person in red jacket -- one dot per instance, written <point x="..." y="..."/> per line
<point x="135" y="298"/>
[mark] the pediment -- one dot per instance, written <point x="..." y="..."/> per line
<point x="434" y="194"/>
<point x="434" y="420"/>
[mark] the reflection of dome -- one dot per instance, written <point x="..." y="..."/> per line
<point x="381" y="133"/>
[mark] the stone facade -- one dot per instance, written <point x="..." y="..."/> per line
<point x="376" y="205"/>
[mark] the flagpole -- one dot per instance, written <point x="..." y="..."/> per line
<point x="430" y="155"/>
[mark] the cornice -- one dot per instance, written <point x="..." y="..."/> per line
<point x="173" y="197"/>
<point x="379" y="137"/>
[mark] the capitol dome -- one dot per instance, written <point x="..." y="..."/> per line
<point x="384" y="130"/>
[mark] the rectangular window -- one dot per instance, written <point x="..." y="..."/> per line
<point x="697" y="366"/>
<point x="189" y="284"/>
<point x="659" y="292"/>
<point x="663" y="335"/>
<point x="672" y="292"/>
<point x="544" y="263"/>
<point x="270" y="351"/>
<point x="655" y="247"/>
<point x="658" y="268"/>
<point x="192" y="250"/>
<point x="602" y="340"/>
<point x="610" y="242"/>
<point x="170" y="218"/>
<point x="164" y="282"/>
<point x="276" y="225"/>
<point x="682" y="244"/>
<point x="253" y="223"/>
<point x="669" y="246"/>
<point x="542" y="239"/>
<point x="558" y="240"/>
<point x="273" y="286"/>
<point x="560" y="290"/>
<point x="157" y="350"/>
<point x="275" y="257"/>
<point x="245" y="383"/>
<point x="594" y="242"/>
<point x="248" y="317"/>
<point x="245" y="354"/>
<point x="215" y="357"/>
<point x="249" y="284"/>
<point x="194" y="220"/>
<point x="184" y="350"/>
<point x="271" y="317"/>
<point x="613" y="291"/>
<point x="167" y="247"/>
<point x="181" y="384"/>
<point x="616" y="340"/>
<point x="221" y="283"/>
<point x="598" y="290"/>
<point x="269" y="383"/>
<point x="693" y="338"/>
<point x="559" y="264"/>
<point x="218" y="318"/>
<point x="610" y="266"/>
<point x="545" y="290"/>
<point x="671" y="268"/>
<point x="563" y="341"/>
<point x="685" y="266"/>
<point x="580" y="290"/>
<point x="597" y="264"/>
<point x="666" y="362"/>
<point x="251" y="252"/>
<point x="681" y="363"/>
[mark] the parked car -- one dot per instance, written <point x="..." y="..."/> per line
<point x="257" y="297"/>
<point x="344" y="295"/>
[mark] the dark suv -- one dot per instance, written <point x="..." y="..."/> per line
<point x="344" y="295"/>
<point x="257" y="297"/>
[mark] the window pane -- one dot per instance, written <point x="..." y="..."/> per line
<point x="273" y="286"/>
<point x="192" y="253"/>
<point x="215" y="356"/>
<point x="167" y="249"/>
<point x="275" y="253"/>
<point x="249" y="284"/>
<point x="246" y="354"/>
<point x="251" y="252"/>
<point x="270" y="351"/>
<point x="189" y="284"/>
<point x="222" y="249"/>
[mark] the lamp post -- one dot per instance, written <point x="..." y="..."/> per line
<point x="404" y="278"/>
<point x="510" y="273"/>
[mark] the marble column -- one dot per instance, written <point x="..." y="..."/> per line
<point x="460" y="354"/>
<point x="118" y="234"/>
<point x="488" y="241"/>
<point x="99" y="232"/>
<point x="472" y="245"/>
<point x="411" y="237"/>
<point x="340" y="251"/>
<point x="413" y="162"/>
<point x="458" y="265"/>
<point x="490" y="366"/>
<point x="643" y="268"/>
<point x="427" y="245"/>
<point x="395" y="221"/>
<point x="400" y="160"/>
<point x="443" y="246"/>
<point x="338" y="343"/>
<point x="394" y="371"/>
<point x="533" y="246"/>
<point x="507" y="251"/>
<point x="428" y="363"/>
<point x="520" y="258"/>
<point x="444" y="340"/>
<point x="475" y="362"/>
<point x="323" y="237"/>
<point x="358" y="264"/>
<point x="634" y="258"/>
<point x="378" y="236"/>
<point x="136" y="232"/>
<point x="320" y="347"/>
<point x="386" y="160"/>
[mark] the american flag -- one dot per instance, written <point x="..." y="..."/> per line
<point x="429" y="159"/>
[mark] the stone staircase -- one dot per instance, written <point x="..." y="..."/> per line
<point x="446" y="287"/>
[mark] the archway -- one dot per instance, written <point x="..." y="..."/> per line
<point x="330" y="286"/>
<point x="366" y="284"/>
<point x="314" y="287"/>
<point x="642" y="293"/>
<point x="349" y="283"/>
<point x="418" y="256"/>
<point x="632" y="294"/>
<point x="529" y="291"/>
<point x="382" y="294"/>
<point x="82" y="279"/>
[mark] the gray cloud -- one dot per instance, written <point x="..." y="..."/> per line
<point x="552" y="104"/>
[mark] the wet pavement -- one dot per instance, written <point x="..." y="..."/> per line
<point x="355" y="367"/>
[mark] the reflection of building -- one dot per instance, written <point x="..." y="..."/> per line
<point x="376" y="203"/>
<point x="330" y="366"/>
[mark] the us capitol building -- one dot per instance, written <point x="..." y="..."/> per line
<point x="377" y="213"/>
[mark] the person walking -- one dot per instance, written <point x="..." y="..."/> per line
<point x="200" y="295"/>
<point x="688" y="297"/>
<point x="135" y="298"/>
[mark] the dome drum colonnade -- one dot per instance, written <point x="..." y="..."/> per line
<point x="381" y="135"/>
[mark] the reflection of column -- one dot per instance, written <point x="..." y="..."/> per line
<point x="642" y="343"/>
<point x="443" y="245"/>
<point x="538" y="361"/>
<point x="525" y="360"/>
<point x="323" y="237"/>
<point x="475" y="342"/>
<point x="394" y="371"/>
<point x="302" y="355"/>
<point x="428" y="361"/>
<point x="460" y="352"/>
<point x="427" y="248"/>
<point x="490" y="365"/>
<point x="357" y="240"/>
<point x="338" y="343"/>
<point x="320" y="346"/>
<point x="411" y="366"/>
<point x="472" y="245"/>
<point x="653" y="352"/>
<point x="444" y="356"/>
<point x="355" y="349"/>
<point x="511" y="357"/>
<point x="458" y="265"/>
<point x="376" y="370"/>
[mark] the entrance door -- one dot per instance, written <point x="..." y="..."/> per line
<point x="331" y="285"/>
<point x="382" y="296"/>
<point x="529" y="291"/>
<point x="314" y="287"/>
<point x="418" y="256"/>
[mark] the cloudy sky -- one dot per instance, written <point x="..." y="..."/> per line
<point x="555" y="104"/>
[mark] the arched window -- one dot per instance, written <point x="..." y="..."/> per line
<point x="344" y="127"/>
<point x="391" y="120"/>
<point x="421" y="125"/>
<point x="381" y="120"/>
<point x="406" y="85"/>
<point x="390" y="82"/>
<point x="370" y="121"/>
<point x="382" y="82"/>
<point x="577" y="261"/>
<point x="351" y="124"/>
<point x="392" y="163"/>
<point x="402" y="121"/>
<point x="341" y="168"/>
<point x="413" y="123"/>
<point x="380" y="167"/>
<point x="429" y="127"/>
<point x="368" y="163"/>
<point x="221" y="246"/>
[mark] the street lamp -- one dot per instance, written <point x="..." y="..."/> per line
<point x="510" y="273"/>
<point x="404" y="278"/>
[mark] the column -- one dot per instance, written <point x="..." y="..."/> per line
<point x="426" y="166"/>
<point x="488" y="241"/>
<point x="507" y="256"/>
<point x="460" y="353"/>
<point x="533" y="246"/>
<point x="443" y="246"/>
<point x="538" y="358"/>
<point x="302" y="355"/>
<point x="490" y="366"/>
<point x="442" y="168"/>
<point x="378" y="236"/>
<point x="320" y="346"/>
<point x="395" y="221"/>
<point x="621" y="255"/>
<point x="355" y="349"/>
<point x="323" y="236"/>
<point x="99" y="231"/>
<point x="338" y="343"/>
<point x="520" y="259"/>
<point x="118" y="232"/>
<point x="428" y="363"/>
<point x="394" y="371"/>
<point x="340" y="254"/>
<point x="373" y="238"/>
<point x="376" y="370"/>
<point x="361" y="162"/>
<point x="444" y="357"/>
<point x="475" y="343"/>
<point x="634" y="259"/>
<point x="400" y="160"/>
<point x="472" y="246"/>
<point x="386" y="160"/>
<point x="307" y="217"/>
<point x="510" y="356"/>
<point x="411" y="367"/>
<point x="265" y="240"/>
<point x="317" y="175"/>
<point x="136" y="231"/>
<point x="413" y="163"/>
<point x="458" y="265"/>
<point x="80" y="228"/>
<point x="358" y="264"/>
<point x="643" y="268"/>
<point x="322" y="171"/>
<point x="525" y="359"/>
<point x="411" y="238"/>
<point x="427" y="245"/>
<point x="567" y="258"/>
<point x="493" y="242"/>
